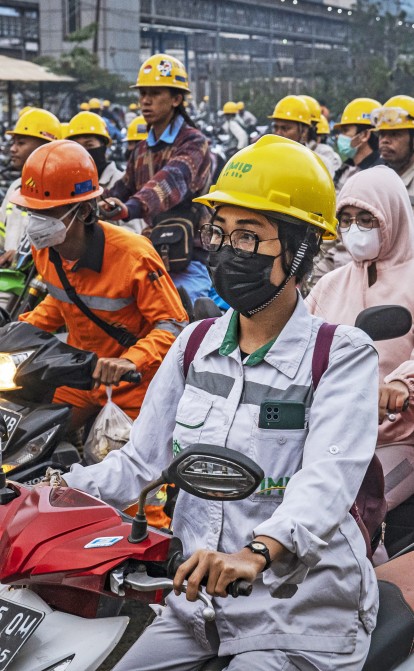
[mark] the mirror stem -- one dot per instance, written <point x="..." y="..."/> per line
<point x="139" y="529"/>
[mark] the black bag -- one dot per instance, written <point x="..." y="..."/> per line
<point x="173" y="236"/>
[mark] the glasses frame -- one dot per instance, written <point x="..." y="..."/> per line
<point x="239" y="252"/>
<point x="354" y="220"/>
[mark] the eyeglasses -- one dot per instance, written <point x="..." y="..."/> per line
<point x="363" y="221"/>
<point x="244" y="243"/>
<point x="392" y="116"/>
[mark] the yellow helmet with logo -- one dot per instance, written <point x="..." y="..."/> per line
<point x="292" y="108"/>
<point x="322" y="127"/>
<point x="163" y="70"/>
<point x="314" y="107"/>
<point x="298" y="186"/>
<point x="137" y="130"/>
<point x="84" y="107"/>
<point x="88" y="123"/>
<point x="230" y="107"/>
<point x="95" y="104"/>
<point x="396" y="114"/>
<point x="358" y="112"/>
<point x="38" y="122"/>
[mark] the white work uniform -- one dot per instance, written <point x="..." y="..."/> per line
<point x="12" y="218"/>
<point x="408" y="179"/>
<point x="110" y="175"/>
<point x="318" y="596"/>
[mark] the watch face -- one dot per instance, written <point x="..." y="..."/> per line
<point x="258" y="546"/>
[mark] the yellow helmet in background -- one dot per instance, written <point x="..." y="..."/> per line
<point x="38" y="122"/>
<point x="292" y="108"/>
<point x="163" y="70"/>
<point x="64" y="128"/>
<point x="137" y="130"/>
<point x="133" y="107"/>
<point x="240" y="105"/>
<point x="396" y="114"/>
<point x="314" y="107"/>
<point x="322" y="127"/>
<point x="95" y="104"/>
<point x="358" y="112"/>
<point x="25" y="109"/>
<point x="230" y="107"/>
<point x="298" y="186"/>
<point x="106" y="103"/>
<point x="88" y="123"/>
<point x="84" y="107"/>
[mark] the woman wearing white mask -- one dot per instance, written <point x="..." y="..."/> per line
<point x="377" y="228"/>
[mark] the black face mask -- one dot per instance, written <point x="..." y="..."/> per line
<point x="98" y="155"/>
<point x="243" y="283"/>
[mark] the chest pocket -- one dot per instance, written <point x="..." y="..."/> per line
<point x="279" y="452"/>
<point x="192" y="412"/>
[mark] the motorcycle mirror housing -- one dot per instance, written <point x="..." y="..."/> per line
<point x="384" y="322"/>
<point x="212" y="472"/>
<point x="206" y="471"/>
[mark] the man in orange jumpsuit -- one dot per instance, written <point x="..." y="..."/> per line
<point x="118" y="276"/>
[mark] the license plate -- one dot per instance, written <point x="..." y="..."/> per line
<point x="12" y="419"/>
<point x="17" y="624"/>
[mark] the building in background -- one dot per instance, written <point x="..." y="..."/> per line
<point x="19" y="29"/>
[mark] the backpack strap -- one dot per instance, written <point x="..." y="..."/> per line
<point x="321" y="352"/>
<point x="194" y="342"/>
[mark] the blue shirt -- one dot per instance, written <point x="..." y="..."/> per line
<point x="168" y="135"/>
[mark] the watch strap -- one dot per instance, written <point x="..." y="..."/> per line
<point x="262" y="550"/>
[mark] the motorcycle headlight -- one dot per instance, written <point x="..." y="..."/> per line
<point x="8" y="368"/>
<point x="32" y="449"/>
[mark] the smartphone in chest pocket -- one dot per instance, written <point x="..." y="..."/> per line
<point x="282" y="415"/>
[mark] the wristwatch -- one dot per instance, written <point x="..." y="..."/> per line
<point x="260" y="549"/>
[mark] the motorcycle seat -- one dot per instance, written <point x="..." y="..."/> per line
<point x="393" y="637"/>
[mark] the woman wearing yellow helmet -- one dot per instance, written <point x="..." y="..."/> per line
<point x="248" y="386"/>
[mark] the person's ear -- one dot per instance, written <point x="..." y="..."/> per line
<point x="88" y="212"/>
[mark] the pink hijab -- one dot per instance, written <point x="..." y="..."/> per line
<point x="340" y="295"/>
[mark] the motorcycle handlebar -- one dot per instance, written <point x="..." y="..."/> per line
<point x="132" y="376"/>
<point x="239" y="587"/>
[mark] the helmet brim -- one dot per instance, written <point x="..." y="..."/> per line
<point x="35" y="204"/>
<point x="251" y="202"/>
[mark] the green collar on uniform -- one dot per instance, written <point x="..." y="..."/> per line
<point x="231" y="342"/>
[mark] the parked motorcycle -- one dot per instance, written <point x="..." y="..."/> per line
<point x="68" y="562"/>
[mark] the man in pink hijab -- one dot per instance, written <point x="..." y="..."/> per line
<point x="376" y="224"/>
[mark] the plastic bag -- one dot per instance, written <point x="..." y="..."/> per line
<point x="110" y="431"/>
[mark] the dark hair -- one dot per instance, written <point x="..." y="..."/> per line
<point x="373" y="138"/>
<point x="291" y="234"/>
<point x="181" y="109"/>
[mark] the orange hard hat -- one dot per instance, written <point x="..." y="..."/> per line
<point x="61" y="172"/>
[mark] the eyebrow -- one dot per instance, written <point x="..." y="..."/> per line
<point x="242" y="222"/>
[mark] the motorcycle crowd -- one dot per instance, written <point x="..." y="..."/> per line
<point x="191" y="399"/>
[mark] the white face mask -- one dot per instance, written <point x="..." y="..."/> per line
<point x="44" y="231"/>
<point x="362" y="245"/>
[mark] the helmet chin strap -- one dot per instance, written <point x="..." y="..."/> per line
<point x="294" y="267"/>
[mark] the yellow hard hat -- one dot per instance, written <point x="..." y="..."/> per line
<point x="163" y="70"/>
<point x="240" y="105"/>
<point x="230" y="107"/>
<point x="358" y="112"/>
<point x="25" y="109"/>
<point x="292" y="108"/>
<point x="314" y="107"/>
<point x="88" y="123"/>
<point x="95" y="104"/>
<point x="106" y="103"/>
<point x="137" y="130"/>
<point x="322" y="127"/>
<point x="298" y="186"/>
<point x="396" y="114"/>
<point x="64" y="129"/>
<point x="84" y="107"/>
<point x="206" y="98"/>
<point x="133" y="107"/>
<point x="38" y="123"/>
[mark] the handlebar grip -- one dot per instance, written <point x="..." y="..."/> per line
<point x="110" y="214"/>
<point x="132" y="376"/>
<point x="239" y="587"/>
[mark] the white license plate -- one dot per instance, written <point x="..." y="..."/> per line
<point x="17" y="624"/>
<point x="12" y="419"/>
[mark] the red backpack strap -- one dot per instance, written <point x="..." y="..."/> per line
<point x="321" y="352"/>
<point x="194" y="342"/>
